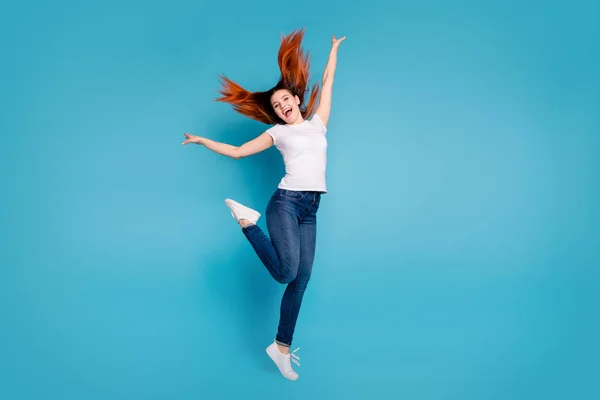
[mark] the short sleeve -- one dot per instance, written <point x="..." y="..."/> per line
<point x="319" y="123"/>
<point x="273" y="131"/>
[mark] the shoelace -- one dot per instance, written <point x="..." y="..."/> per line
<point x="294" y="358"/>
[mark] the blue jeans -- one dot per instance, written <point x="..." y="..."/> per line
<point x="290" y="251"/>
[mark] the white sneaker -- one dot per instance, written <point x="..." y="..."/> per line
<point x="239" y="211"/>
<point x="283" y="361"/>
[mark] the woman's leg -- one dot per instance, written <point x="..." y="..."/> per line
<point x="292" y="297"/>
<point x="281" y="252"/>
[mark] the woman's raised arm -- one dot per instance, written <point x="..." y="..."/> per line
<point x="324" y="108"/>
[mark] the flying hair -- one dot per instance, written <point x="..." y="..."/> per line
<point x="294" y="65"/>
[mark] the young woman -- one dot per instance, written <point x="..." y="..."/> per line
<point x="292" y="210"/>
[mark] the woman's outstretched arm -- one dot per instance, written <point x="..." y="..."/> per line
<point x="327" y="86"/>
<point x="256" y="145"/>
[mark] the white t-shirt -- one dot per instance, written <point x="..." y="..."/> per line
<point x="304" y="150"/>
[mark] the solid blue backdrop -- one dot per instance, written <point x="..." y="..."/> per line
<point x="458" y="246"/>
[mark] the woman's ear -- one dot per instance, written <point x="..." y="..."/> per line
<point x="297" y="99"/>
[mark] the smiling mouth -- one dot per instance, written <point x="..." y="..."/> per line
<point x="287" y="112"/>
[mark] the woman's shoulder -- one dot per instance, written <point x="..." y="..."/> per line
<point x="277" y="127"/>
<point x="318" y="123"/>
<point x="275" y="130"/>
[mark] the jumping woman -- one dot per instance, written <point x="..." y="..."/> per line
<point x="299" y="133"/>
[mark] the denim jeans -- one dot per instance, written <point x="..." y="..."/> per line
<point x="289" y="252"/>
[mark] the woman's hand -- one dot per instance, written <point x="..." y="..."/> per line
<point x="335" y="43"/>
<point x="192" y="139"/>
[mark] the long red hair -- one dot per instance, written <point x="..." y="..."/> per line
<point x="294" y="65"/>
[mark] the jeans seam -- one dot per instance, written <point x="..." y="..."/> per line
<point x="309" y="208"/>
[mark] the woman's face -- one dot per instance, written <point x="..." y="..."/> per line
<point x="286" y="106"/>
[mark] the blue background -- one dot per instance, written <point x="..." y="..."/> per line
<point x="458" y="247"/>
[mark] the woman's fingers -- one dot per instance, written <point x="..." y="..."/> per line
<point x="336" y="42"/>
<point x="188" y="137"/>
